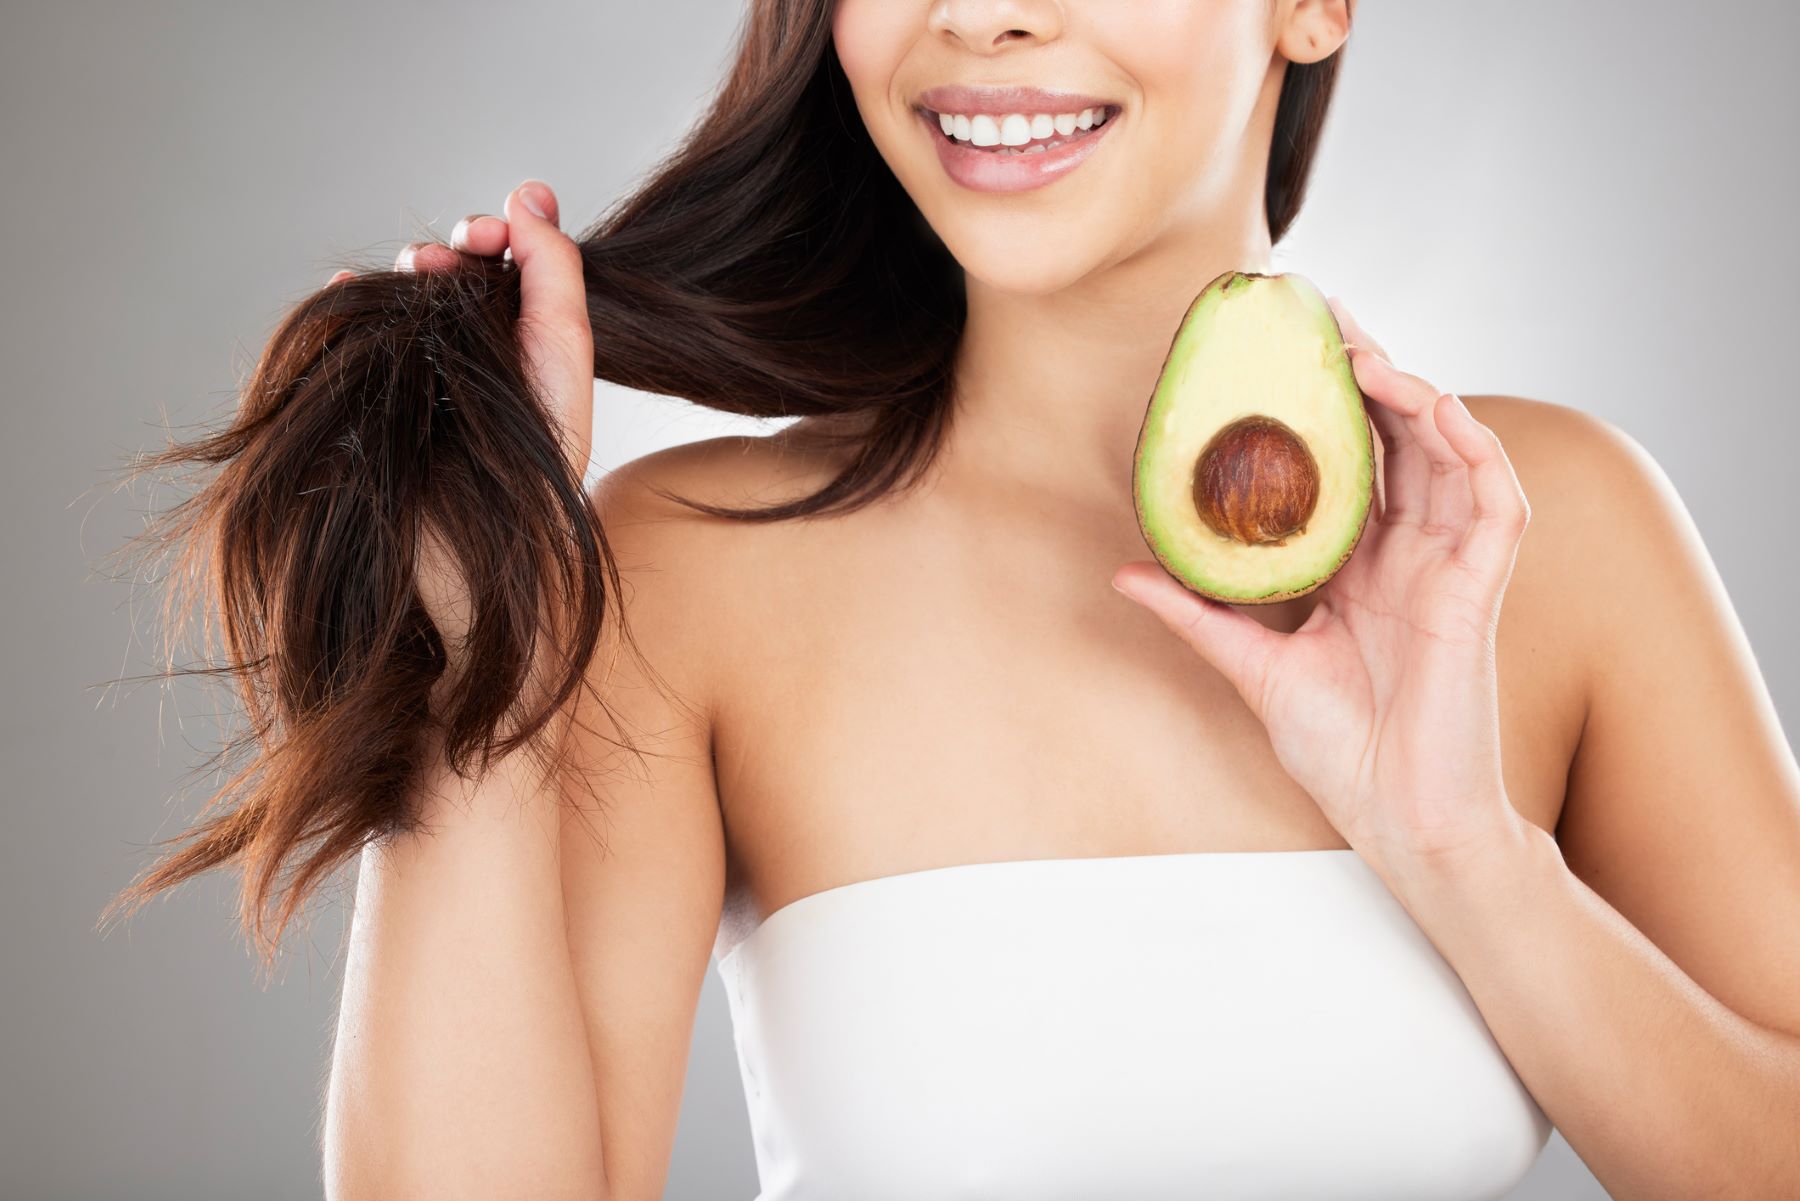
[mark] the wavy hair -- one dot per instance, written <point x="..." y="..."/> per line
<point x="771" y="266"/>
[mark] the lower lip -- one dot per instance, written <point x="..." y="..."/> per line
<point x="987" y="171"/>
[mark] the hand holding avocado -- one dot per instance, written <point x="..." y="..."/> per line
<point x="1254" y="482"/>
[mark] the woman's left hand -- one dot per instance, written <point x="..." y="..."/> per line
<point x="1384" y="704"/>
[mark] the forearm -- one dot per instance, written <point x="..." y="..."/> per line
<point x="461" y="1066"/>
<point x="1662" y="1090"/>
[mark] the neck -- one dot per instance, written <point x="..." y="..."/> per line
<point x="1051" y="388"/>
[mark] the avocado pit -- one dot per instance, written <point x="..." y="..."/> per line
<point x="1255" y="481"/>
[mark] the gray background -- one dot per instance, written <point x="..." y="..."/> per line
<point x="1585" y="203"/>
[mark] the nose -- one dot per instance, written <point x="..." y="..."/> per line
<point x="990" y="26"/>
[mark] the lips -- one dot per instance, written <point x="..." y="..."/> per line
<point x="998" y="101"/>
<point x="981" y="164"/>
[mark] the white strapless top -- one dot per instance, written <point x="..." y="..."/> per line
<point x="1228" y="1025"/>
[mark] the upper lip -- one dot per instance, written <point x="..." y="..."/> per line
<point x="999" y="101"/>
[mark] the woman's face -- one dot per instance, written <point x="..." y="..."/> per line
<point x="1161" y="93"/>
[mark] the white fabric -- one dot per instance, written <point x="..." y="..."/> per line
<point x="1219" y="1025"/>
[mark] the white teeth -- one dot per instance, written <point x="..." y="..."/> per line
<point x="1018" y="133"/>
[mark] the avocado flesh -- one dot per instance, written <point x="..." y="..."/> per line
<point x="1255" y="346"/>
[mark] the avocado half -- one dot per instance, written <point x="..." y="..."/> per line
<point x="1255" y="465"/>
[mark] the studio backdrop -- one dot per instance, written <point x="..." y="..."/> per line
<point x="1583" y="203"/>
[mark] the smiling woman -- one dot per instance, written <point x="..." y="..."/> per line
<point x="1008" y="897"/>
<point x="774" y="267"/>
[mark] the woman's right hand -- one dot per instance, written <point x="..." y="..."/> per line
<point x="553" y="316"/>
<point x="554" y="334"/>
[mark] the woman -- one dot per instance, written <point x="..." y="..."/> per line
<point x="1010" y="899"/>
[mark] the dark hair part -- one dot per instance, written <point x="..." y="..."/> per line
<point x="771" y="266"/>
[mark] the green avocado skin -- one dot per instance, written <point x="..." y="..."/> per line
<point x="1162" y="476"/>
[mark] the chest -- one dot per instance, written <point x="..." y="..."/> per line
<point x="956" y="699"/>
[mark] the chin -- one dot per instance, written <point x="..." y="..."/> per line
<point x="1027" y="258"/>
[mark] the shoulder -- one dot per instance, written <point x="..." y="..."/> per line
<point x="734" y="470"/>
<point x="1589" y="482"/>
<point x="685" y="574"/>
<point x="1611" y="544"/>
<point x="1564" y="448"/>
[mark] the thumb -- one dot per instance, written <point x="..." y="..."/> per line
<point x="556" y="334"/>
<point x="1238" y="646"/>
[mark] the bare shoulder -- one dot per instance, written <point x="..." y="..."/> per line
<point x="1683" y="792"/>
<point x="1609" y="519"/>
<point x="740" y="470"/>
<point x="1562" y="447"/>
<point x="685" y="573"/>
<point x="1608" y="560"/>
<point x="1596" y="493"/>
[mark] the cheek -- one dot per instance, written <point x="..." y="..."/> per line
<point x="1189" y="57"/>
<point x="870" y="38"/>
<point x="1198" y="67"/>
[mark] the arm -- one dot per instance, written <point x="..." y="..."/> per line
<point x="460" y="1064"/>
<point x="515" y="1006"/>
<point x="643" y="838"/>
<point x="522" y="984"/>
<point x="1665" y="1050"/>
<point x="1644" y="977"/>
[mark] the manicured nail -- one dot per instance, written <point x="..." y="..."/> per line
<point x="459" y="236"/>
<point x="404" y="261"/>
<point x="536" y="205"/>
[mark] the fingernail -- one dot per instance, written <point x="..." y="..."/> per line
<point x="404" y="261"/>
<point x="529" y="196"/>
<point x="459" y="236"/>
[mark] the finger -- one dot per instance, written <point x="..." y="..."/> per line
<point x="1240" y="648"/>
<point x="1413" y="401"/>
<point x="552" y="294"/>
<point x="1414" y="396"/>
<point x="425" y="256"/>
<point x="480" y="233"/>
<point x="338" y="277"/>
<point x="1405" y="468"/>
<point x="1405" y="471"/>
<point x="557" y="335"/>
<point x="1354" y="334"/>
<point x="435" y="256"/>
<point x="1500" y="510"/>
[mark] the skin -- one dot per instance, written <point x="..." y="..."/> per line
<point x="1526" y="701"/>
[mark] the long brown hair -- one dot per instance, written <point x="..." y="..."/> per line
<point x="771" y="266"/>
